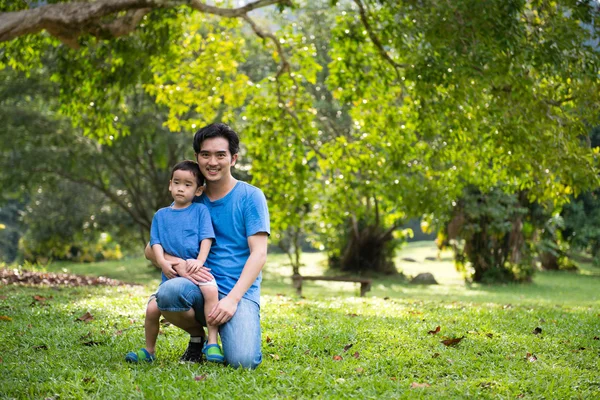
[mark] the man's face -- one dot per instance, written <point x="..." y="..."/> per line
<point x="183" y="187"/>
<point x="215" y="160"/>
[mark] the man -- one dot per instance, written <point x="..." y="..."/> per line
<point x="241" y="223"/>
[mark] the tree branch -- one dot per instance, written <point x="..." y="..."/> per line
<point x="365" y="21"/>
<point x="68" y="21"/>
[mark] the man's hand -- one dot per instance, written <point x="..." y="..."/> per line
<point x="168" y="268"/>
<point x="202" y="275"/>
<point x="222" y="312"/>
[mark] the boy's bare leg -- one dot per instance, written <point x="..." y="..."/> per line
<point x="211" y="298"/>
<point x="152" y="325"/>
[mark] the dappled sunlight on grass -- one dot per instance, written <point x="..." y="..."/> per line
<point x="330" y="343"/>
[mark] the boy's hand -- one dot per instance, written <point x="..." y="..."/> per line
<point x="167" y="269"/>
<point x="193" y="265"/>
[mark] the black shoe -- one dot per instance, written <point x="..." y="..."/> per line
<point x="193" y="353"/>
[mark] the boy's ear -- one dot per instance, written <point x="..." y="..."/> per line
<point x="199" y="190"/>
<point x="169" y="185"/>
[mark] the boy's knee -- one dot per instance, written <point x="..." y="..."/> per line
<point x="177" y="294"/>
<point x="152" y="310"/>
<point x="209" y="292"/>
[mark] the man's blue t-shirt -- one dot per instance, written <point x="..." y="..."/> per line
<point x="240" y="214"/>
<point x="180" y="231"/>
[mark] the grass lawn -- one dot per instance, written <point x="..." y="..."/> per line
<point x="329" y="344"/>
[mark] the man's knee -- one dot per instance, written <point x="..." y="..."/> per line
<point x="247" y="361"/>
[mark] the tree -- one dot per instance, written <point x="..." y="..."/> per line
<point x="122" y="183"/>
<point x="495" y="94"/>
<point x="439" y="97"/>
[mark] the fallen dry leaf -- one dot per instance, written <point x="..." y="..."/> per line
<point x="307" y="352"/>
<point x="436" y="330"/>
<point x="356" y="354"/>
<point x="531" y="357"/>
<point x="40" y="347"/>
<point x="88" y="380"/>
<point x="452" y="342"/>
<point x="359" y="369"/>
<point x="5" y="318"/>
<point x="3" y="297"/>
<point x="596" y="338"/>
<point x="393" y="378"/>
<point x="337" y="358"/>
<point x="490" y="335"/>
<point x="268" y="339"/>
<point x="347" y="347"/>
<point x="274" y="357"/>
<point x="416" y="385"/>
<point x="537" y="331"/>
<point x="200" y="378"/>
<point x="87" y="317"/>
<point x="352" y="315"/>
<point x="435" y="355"/>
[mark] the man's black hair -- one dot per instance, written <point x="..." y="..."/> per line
<point x="191" y="166"/>
<point x="217" y="130"/>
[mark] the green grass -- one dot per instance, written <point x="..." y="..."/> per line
<point x="43" y="352"/>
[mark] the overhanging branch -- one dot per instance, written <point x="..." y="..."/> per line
<point x="68" y="21"/>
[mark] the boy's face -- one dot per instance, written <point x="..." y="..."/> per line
<point x="183" y="187"/>
<point x="215" y="159"/>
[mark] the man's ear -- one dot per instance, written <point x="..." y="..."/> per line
<point x="234" y="159"/>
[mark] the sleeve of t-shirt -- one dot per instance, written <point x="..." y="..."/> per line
<point x="205" y="227"/>
<point x="256" y="214"/>
<point x="154" y="237"/>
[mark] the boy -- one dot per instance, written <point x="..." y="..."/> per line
<point x="183" y="229"/>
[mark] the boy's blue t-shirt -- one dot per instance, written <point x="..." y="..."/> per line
<point x="180" y="231"/>
<point x="240" y="214"/>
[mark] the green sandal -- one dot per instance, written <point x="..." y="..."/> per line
<point x="141" y="355"/>
<point x="213" y="353"/>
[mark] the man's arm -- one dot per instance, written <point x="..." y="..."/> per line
<point x="179" y="265"/>
<point x="227" y="306"/>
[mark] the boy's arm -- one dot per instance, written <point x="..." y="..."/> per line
<point x="194" y="266"/>
<point x="227" y="306"/>
<point x="166" y="266"/>
<point x="178" y="263"/>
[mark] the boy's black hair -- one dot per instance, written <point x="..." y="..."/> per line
<point x="217" y="130"/>
<point x="191" y="166"/>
